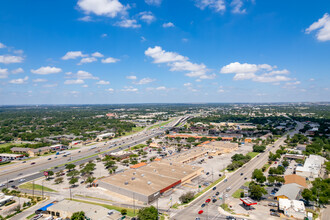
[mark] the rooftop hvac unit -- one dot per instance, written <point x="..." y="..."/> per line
<point x="184" y="172"/>
<point x="155" y="170"/>
<point x="126" y="183"/>
<point x="142" y="174"/>
<point x="149" y="182"/>
<point x="133" y="178"/>
<point x="170" y="163"/>
<point x="134" y="173"/>
<point x="173" y="170"/>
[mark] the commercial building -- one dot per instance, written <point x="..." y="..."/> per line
<point x="312" y="167"/>
<point x="30" y="151"/>
<point x="288" y="191"/>
<point x="105" y="135"/>
<point x="4" y="199"/>
<point x="208" y="148"/>
<point x="301" y="181"/>
<point x="149" y="181"/>
<point x="65" y="209"/>
<point x="8" y="157"/>
<point x="292" y="208"/>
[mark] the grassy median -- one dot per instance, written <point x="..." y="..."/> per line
<point x="36" y="187"/>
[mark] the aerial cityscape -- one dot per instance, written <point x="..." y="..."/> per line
<point x="160" y="109"/>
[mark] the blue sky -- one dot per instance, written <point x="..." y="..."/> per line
<point x="156" y="51"/>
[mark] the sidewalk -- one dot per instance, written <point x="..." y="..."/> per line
<point x="30" y="211"/>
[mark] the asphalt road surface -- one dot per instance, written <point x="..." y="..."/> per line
<point x="28" y="171"/>
<point x="235" y="181"/>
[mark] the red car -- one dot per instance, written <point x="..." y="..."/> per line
<point x="208" y="200"/>
<point x="200" y="211"/>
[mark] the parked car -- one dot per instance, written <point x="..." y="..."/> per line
<point x="272" y="204"/>
<point x="207" y="173"/>
<point x="21" y="180"/>
<point x="214" y="188"/>
<point x="2" y="185"/>
<point x="10" y="181"/>
<point x="230" y="217"/>
<point x="24" y="161"/>
<point x="203" y="205"/>
<point x="208" y="200"/>
<point x="217" y="193"/>
<point x="242" y="174"/>
<point x="214" y="200"/>
<point x="33" y="163"/>
<point x="272" y="210"/>
<point x="200" y="211"/>
<point x="275" y="214"/>
<point x="49" y="158"/>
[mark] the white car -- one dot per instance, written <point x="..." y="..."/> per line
<point x="2" y="185"/>
<point x="21" y="180"/>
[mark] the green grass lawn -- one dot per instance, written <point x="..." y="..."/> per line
<point x="134" y="130"/>
<point x="36" y="187"/>
<point x="157" y="125"/>
<point x="267" y="165"/>
<point x="252" y="154"/>
<point x="247" y="184"/>
<point x="130" y="212"/>
<point x="8" y="144"/>
<point x="237" y="193"/>
<point x="226" y="208"/>
<point x="209" y="187"/>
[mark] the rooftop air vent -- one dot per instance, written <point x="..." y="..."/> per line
<point x="126" y="183"/>
<point x="142" y="174"/>
<point x="133" y="178"/>
<point x="149" y="182"/>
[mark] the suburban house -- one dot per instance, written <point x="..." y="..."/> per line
<point x="292" y="208"/>
<point x="289" y="191"/>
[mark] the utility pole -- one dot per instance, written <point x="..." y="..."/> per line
<point x="70" y="193"/>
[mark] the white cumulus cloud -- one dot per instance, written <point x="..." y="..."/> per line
<point x="322" y="26"/>
<point x="2" y="45"/>
<point x="129" y="89"/>
<point x="73" y="55"/>
<point x="7" y="59"/>
<point x="217" y="5"/>
<point x="131" y="77"/>
<point x="19" y="81"/>
<point x="147" y="16"/>
<point x="74" y="81"/>
<point x="109" y="8"/>
<point x="103" y="82"/>
<point x="256" y="72"/>
<point x="144" y="81"/>
<point x="128" y="23"/>
<point x="3" y="73"/>
<point x="18" y="70"/>
<point x="168" y="24"/>
<point x="87" y="60"/>
<point x="45" y="70"/>
<point x="177" y="62"/>
<point x="110" y="90"/>
<point x="110" y="60"/>
<point x="153" y="2"/>
<point x="97" y="54"/>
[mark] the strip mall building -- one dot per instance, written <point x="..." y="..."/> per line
<point x="149" y="181"/>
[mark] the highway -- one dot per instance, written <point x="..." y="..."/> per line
<point x="234" y="181"/>
<point x="28" y="171"/>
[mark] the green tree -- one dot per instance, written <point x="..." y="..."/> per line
<point x="256" y="191"/>
<point x="70" y="166"/>
<point x="187" y="197"/>
<point x="73" y="180"/>
<point x="123" y="211"/>
<point x="259" y="148"/>
<point x="78" y="216"/>
<point x="258" y="175"/>
<point x="308" y="195"/>
<point x="285" y="163"/>
<point x="148" y="213"/>
<point x="58" y="180"/>
<point x="90" y="180"/>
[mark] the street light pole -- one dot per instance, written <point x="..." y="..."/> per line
<point x="42" y="190"/>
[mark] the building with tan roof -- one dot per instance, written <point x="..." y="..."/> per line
<point x="294" y="178"/>
<point x="148" y="182"/>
